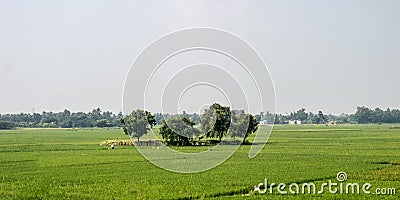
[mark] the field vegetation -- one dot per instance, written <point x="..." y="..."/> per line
<point x="70" y="164"/>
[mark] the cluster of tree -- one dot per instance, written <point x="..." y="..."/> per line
<point x="216" y="123"/>
<point x="65" y="119"/>
<point x="6" y="125"/>
<point x="366" y="115"/>
<point x="363" y="115"/>
<point x="184" y="126"/>
<point x="303" y="116"/>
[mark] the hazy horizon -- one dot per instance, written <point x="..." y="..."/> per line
<point x="322" y="55"/>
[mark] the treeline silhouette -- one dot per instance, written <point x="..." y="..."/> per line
<point x="99" y="118"/>
<point x="363" y="115"/>
<point x="65" y="119"/>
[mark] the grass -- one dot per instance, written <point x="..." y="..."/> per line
<point x="70" y="164"/>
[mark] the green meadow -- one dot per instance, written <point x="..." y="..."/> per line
<point x="70" y="164"/>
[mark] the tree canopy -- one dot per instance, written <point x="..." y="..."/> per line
<point x="178" y="131"/>
<point x="216" y="121"/>
<point x="242" y="125"/>
<point x="6" y="125"/>
<point x="138" y="123"/>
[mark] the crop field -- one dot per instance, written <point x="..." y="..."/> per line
<point x="70" y="164"/>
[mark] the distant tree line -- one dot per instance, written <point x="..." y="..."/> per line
<point x="99" y="118"/>
<point x="366" y="115"/>
<point x="363" y="115"/>
<point x="65" y="119"/>
<point x="304" y="117"/>
<point x="6" y="125"/>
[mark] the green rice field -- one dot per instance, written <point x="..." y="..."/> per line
<point x="70" y="164"/>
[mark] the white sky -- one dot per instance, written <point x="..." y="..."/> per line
<point x="322" y="55"/>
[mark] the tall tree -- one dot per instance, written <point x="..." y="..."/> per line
<point x="151" y="119"/>
<point x="216" y="120"/>
<point x="136" y="124"/>
<point x="253" y="125"/>
<point x="319" y="118"/>
<point x="242" y="125"/>
<point x="239" y="124"/>
<point x="363" y="115"/>
<point x="377" y="116"/>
